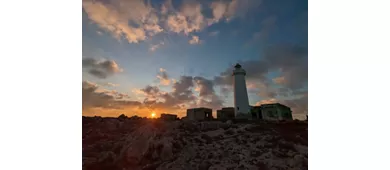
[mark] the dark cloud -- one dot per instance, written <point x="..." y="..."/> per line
<point x="92" y="98"/>
<point x="214" y="102"/>
<point x="288" y="59"/>
<point x="163" y="76"/>
<point x="207" y="95"/>
<point x="184" y="83"/>
<point x="225" y="90"/>
<point x="151" y="90"/>
<point x="206" y="87"/>
<point x="268" y="25"/>
<point x="182" y="95"/>
<point x="292" y="62"/>
<point x="101" y="69"/>
<point x="298" y="105"/>
<point x="181" y="90"/>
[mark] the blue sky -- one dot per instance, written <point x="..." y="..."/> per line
<point x="129" y="45"/>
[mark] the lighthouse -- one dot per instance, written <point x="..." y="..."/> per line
<point x="241" y="102"/>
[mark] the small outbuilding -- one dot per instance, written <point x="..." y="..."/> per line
<point x="274" y="111"/>
<point x="226" y="113"/>
<point x="199" y="114"/>
<point x="165" y="116"/>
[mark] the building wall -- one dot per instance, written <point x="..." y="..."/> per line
<point x="225" y="113"/>
<point x="276" y="112"/>
<point x="270" y="113"/>
<point x="256" y="112"/>
<point x="198" y="113"/>
<point x="285" y="113"/>
<point x="191" y="114"/>
<point x="168" y="116"/>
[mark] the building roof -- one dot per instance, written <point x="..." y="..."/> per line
<point x="199" y="108"/>
<point x="166" y="114"/>
<point x="270" y="105"/>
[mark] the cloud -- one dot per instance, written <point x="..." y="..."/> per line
<point x="115" y="17"/>
<point x="167" y="7"/>
<point x="214" y="33"/>
<point x="93" y="97"/>
<point x="182" y="97"/>
<point x="279" y="80"/>
<point x="188" y="19"/>
<point x="160" y="100"/>
<point x="108" y="84"/>
<point x="101" y="69"/>
<point x="155" y="46"/>
<point x="163" y="77"/>
<point x="206" y="87"/>
<point x="138" y="20"/>
<point x="298" y="105"/>
<point x="267" y="26"/>
<point x="151" y="92"/>
<point x="227" y="10"/>
<point x="289" y="60"/>
<point x="207" y="95"/>
<point x="266" y="101"/>
<point x="194" y="40"/>
<point x="219" y="9"/>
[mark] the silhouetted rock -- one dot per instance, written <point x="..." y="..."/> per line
<point x="205" y="165"/>
<point x="138" y="143"/>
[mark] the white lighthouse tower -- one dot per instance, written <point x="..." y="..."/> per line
<point x="241" y="103"/>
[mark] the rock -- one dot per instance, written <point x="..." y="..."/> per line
<point x="217" y="167"/>
<point x="210" y="156"/>
<point x="205" y="165"/>
<point x="230" y="131"/>
<point x="207" y="138"/>
<point x="166" y="152"/>
<point x="229" y="122"/>
<point x="109" y="143"/>
<point x="215" y="133"/>
<point x="298" y="159"/>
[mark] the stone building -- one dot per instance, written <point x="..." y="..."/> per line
<point x="199" y="114"/>
<point x="274" y="111"/>
<point x="165" y="116"/>
<point x="226" y="113"/>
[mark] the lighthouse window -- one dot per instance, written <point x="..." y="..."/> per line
<point x="238" y="108"/>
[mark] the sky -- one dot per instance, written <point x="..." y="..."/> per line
<point x="167" y="56"/>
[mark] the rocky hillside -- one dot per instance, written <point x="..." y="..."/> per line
<point x="136" y="143"/>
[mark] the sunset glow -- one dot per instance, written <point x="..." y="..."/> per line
<point x="153" y="115"/>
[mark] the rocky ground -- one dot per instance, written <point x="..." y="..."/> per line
<point x="138" y="143"/>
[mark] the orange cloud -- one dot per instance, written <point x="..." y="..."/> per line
<point x="251" y="85"/>
<point x="188" y="19"/>
<point x="267" y="101"/>
<point x="115" y="18"/>
<point x="155" y="46"/>
<point x="279" y="80"/>
<point x="194" y="40"/>
<point x="163" y="77"/>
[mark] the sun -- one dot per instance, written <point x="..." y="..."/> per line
<point x="153" y="114"/>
